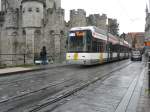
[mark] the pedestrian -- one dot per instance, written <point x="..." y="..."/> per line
<point x="43" y="55"/>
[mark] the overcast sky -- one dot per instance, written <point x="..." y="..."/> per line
<point x="129" y="13"/>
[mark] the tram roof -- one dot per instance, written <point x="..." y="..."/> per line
<point x="82" y="28"/>
<point x="92" y="28"/>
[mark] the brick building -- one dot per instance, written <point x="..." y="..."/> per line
<point x="136" y="39"/>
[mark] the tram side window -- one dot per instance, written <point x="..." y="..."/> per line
<point x="110" y="47"/>
<point x="94" y="46"/>
<point x="98" y="46"/>
<point x="121" y="49"/>
<point x="102" y="47"/>
<point x="115" y="48"/>
<point x="88" y="41"/>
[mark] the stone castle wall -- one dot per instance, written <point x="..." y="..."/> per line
<point x="78" y="18"/>
<point x="53" y="3"/>
<point x="54" y="33"/>
<point x="97" y="20"/>
<point x="32" y="14"/>
<point x="26" y="28"/>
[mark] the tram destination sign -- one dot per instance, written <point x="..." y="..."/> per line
<point x="77" y="34"/>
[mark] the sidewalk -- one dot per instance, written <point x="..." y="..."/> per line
<point x="16" y="70"/>
<point x="144" y="100"/>
<point x="136" y="98"/>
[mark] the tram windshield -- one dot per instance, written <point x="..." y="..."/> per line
<point x="78" y="41"/>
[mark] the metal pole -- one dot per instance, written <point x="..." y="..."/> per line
<point x="107" y="44"/>
<point x="24" y="58"/>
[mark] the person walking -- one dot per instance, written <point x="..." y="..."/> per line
<point x="43" y="55"/>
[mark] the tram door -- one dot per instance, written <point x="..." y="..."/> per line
<point x="110" y="53"/>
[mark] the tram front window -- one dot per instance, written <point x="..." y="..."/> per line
<point x="77" y="41"/>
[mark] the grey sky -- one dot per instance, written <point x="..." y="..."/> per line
<point x="129" y="13"/>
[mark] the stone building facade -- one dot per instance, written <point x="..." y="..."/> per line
<point x="97" y="20"/>
<point x="147" y="26"/>
<point x="77" y="18"/>
<point x="28" y="25"/>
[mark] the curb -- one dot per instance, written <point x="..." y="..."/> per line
<point x="31" y="70"/>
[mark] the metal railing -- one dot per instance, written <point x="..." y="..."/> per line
<point x="21" y="59"/>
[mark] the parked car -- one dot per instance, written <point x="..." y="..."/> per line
<point x="136" y="55"/>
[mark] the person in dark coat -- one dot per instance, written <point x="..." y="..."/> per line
<point x="43" y="55"/>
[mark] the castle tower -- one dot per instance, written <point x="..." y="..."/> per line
<point x="32" y="19"/>
<point x="101" y="21"/>
<point x="53" y="3"/>
<point x="54" y="31"/>
<point x="77" y="18"/>
<point x="9" y="35"/>
<point x="98" y="20"/>
<point x="5" y="4"/>
<point x="58" y="3"/>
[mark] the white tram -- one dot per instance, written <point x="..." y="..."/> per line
<point x="90" y="45"/>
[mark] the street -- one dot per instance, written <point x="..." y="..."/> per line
<point x="26" y="91"/>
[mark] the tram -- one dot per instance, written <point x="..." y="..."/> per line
<point x="91" y="45"/>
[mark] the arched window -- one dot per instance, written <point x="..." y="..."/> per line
<point x="62" y="32"/>
<point x="37" y="10"/>
<point x="51" y="32"/>
<point x="23" y="11"/>
<point x="30" y="9"/>
<point x="24" y="32"/>
<point x="38" y="32"/>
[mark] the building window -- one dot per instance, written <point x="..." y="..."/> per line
<point x="23" y="11"/>
<point x="38" y="32"/>
<point x="51" y="32"/>
<point x="30" y="9"/>
<point x="62" y="32"/>
<point x="37" y="10"/>
<point x="24" y="32"/>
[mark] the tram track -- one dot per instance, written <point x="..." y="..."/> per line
<point x="43" y="88"/>
<point x="69" y="89"/>
<point x="29" y="77"/>
<point x="34" y="75"/>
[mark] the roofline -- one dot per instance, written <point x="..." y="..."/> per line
<point x="41" y="1"/>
